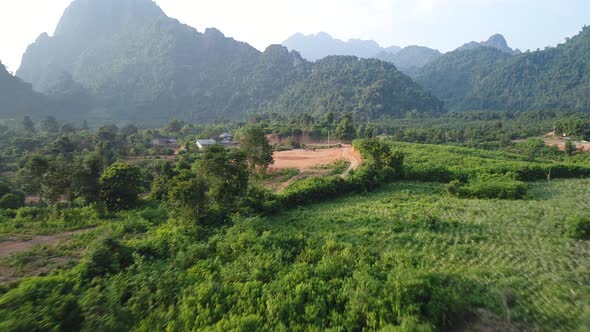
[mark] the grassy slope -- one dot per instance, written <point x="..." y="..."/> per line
<point x="513" y="250"/>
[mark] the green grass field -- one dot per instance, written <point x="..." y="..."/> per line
<point x="406" y="257"/>
<point x="514" y="254"/>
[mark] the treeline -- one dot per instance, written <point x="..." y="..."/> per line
<point x="486" y="129"/>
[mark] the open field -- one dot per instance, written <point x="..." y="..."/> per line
<point x="508" y="257"/>
<point x="306" y="160"/>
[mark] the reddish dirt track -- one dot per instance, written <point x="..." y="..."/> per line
<point x="305" y="160"/>
<point x="14" y="246"/>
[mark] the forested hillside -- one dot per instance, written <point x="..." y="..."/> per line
<point x="453" y="76"/>
<point x="485" y="78"/>
<point x="368" y="87"/>
<point x="410" y="59"/>
<point x="141" y="66"/>
<point x="17" y="97"/>
<point x="549" y="79"/>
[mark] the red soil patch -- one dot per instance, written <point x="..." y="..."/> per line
<point x="560" y="144"/>
<point x="305" y="160"/>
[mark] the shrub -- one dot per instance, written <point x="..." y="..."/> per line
<point x="312" y="190"/>
<point x="12" y="201"/>
<point x="107" y="256"/>
<point x="32" y="214"/>
<point x="488" y="187"/>
<point x="41" y="304"/>
<point x="579" y="227"/>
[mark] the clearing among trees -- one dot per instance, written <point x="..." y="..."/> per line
<point x="306" y="160"/>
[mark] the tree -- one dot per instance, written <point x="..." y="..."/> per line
<point x="50" y="125"/>
<point x="370" y="131"/>
<point x="63" y="145"/>
<point x="57" y="181"/>
<point x="256" y="148"/>
<point x="121" y="185"/>
<point x="28" y="124"/>
<point x="188" y="192"/>
<point x="570" y="148"/>
<point x="379" y="156"/>
<point x="345" y="129"/>
<point x="31" y="175"/>
<point x="67" y="128"/>
<point x="12" y="201"/>
<point x="129" y="130"/>
<point x="85" y="178"/>
<point x="227" y="175"/>
<point x="174" y="126"/>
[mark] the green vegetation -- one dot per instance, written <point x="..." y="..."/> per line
<point x="420" y="237"/>
<point x="140" y="62"/>
<point x="579" y="227"/>
<point x="369" y="87"/>
<point x="487" y="79"/>
<point x="369" y="261"/>
<point x="488" y="186"/>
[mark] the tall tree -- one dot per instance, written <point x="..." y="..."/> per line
<point x="49" y="124"/>
<point x="227" y="174"/>
<point x="256" y="148"/>
<point x="345" y="129"/>
<point x="121" y="185"/>
<point x="28" y="124"/>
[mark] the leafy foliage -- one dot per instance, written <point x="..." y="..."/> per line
<point x="489" y="186"/>
<point x="120" y="186"/>
<point x="368" y="87"/>
<point x="579" y="227"/>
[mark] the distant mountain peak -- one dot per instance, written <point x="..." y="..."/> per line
<point x="496" y="41"/>
<point x="320" y="45"/>
<point x="96" y="16"/>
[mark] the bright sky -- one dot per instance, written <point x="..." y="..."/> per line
<point x="441" y="24"/>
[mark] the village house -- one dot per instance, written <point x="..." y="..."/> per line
<point x="204" y="143"/>
<point x="165" y="142"/>
<point x="227" y="139"/>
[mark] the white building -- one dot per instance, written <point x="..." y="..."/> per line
<point x="204" y="143"/>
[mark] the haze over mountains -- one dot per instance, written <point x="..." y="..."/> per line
<point x="127" y="61"/>
<point x="321" y="45"/>
<point x="136" y="64"/>
<point x="409" y="59"/>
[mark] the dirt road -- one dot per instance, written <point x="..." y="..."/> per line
<point x="306" y="160"/>
<point x="14" y="246"/>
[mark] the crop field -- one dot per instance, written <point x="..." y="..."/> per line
<point x="509" y="257"/>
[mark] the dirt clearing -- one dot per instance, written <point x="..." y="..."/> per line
<point x="306" y="160"/>
<point x="12" y="246"/>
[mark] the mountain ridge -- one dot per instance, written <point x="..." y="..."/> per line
<point x="152" y="68"/>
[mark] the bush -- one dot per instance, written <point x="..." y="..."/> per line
<point x="41" y="304"/>
<point x="107" y="256"/>
<point x="488" y="187"/>
<point x="579" y="227"/>
<point x="312" y="190"/>
<point x="32" y="214"/>
<point x="12" y="201"/>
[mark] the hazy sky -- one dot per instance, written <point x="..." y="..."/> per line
<point x="441" y="24"/>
